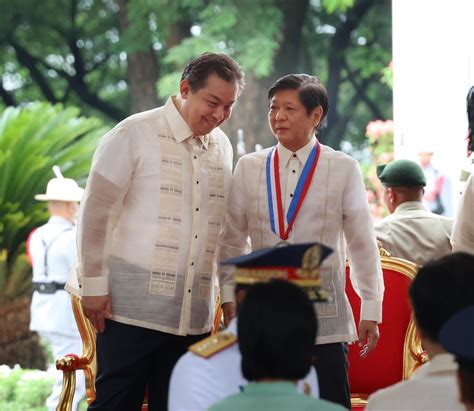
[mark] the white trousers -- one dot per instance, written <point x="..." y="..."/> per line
<point x="61" y="345"/>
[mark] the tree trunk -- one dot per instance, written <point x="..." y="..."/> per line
<point x="18" y="345"/>
<point x="289" y="57"/>
<point x="142" y="74"/>
<point x="251" y="111"/>
<point x="142" y="70"/>
<point x="336" y="61"/>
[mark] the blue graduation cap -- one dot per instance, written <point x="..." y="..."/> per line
<point x="297" y="263"/>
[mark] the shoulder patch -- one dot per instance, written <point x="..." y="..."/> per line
<point x="213" y="344"/>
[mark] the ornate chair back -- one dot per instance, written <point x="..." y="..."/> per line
<point x="399" y="350"/>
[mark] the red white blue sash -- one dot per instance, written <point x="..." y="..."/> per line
<point x="275" y="204"/>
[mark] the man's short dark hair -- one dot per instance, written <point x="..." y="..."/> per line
<point x="276" y="332"/>
<point x="440" y="289"/>
<point x="311" y="91"/>
<point x="200" y="68"/>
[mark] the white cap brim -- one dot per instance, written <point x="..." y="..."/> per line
<point x="77" y="196"/>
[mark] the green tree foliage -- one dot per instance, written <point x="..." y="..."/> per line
<point x="33" y="139"/>
<point x="94" y="54"/>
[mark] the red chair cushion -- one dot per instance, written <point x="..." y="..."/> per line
<point x="384" y="365"/>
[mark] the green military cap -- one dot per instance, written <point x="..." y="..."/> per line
<point x="402" y="173"/>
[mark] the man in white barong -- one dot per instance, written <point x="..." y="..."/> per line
<point x="302" y="191"/>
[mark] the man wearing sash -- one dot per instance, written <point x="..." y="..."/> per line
<point x="302" y="191"/>
<point x="147" y="234"/>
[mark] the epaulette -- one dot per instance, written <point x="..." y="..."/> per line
<point x="213" y="344"/>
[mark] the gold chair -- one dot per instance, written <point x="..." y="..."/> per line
<point x="86" y="362"/>
<point x="72" y="363"/>
<point x="399" y="351"/>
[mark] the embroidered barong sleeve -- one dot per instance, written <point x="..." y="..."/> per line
<point x="110" y="174"/>
<point x="234" y="239"/>
<point x="364" y="259"/>
<point x="463" y="230"/>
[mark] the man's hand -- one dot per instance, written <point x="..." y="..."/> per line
<point x="229" y="312"/>
<point x="368" y="336"/>
<point x="97" y="309"/>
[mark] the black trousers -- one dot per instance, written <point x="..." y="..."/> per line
<point x="331" y="363"/>
<point x="128" y="359"/>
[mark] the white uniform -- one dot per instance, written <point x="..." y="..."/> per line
<point x="433" y="386"/>
<point x="51" y="314"/>
<point x="198" y="382"/>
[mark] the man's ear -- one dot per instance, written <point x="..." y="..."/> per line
<point x="317" y="116"/>
<point x="184" y="88"/>
<point x="392" y="195"/>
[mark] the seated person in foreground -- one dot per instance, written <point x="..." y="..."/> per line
<point x="440" y="289"/>
<point x="276" y="333"/>
<point x="410" y="231"/>
<point x="457" y="336"/>
<point x="210" y="371"/>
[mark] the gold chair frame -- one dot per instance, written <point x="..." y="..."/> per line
<point x="72" y="363"/>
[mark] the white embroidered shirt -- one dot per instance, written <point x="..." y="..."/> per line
<point x="335" y="212"/>
<point x="150" y="219"/>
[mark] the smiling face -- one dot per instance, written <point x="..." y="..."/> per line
<point x="289" y="120"/>
<point x="208" y="107"/>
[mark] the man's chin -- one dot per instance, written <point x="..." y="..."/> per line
<point x="207" y="129"/>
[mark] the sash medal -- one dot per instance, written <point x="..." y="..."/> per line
<point x="275" y="205"/>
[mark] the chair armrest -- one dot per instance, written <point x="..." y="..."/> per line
<point x="71" y="363"/>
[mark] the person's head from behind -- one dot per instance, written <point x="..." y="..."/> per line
<point x="65" y="209"/>
<point x="63" y="196"/>
<point x="276" y="332"/>
<point x="402" y="180"/>
<point x="440" y="289"/>
<point x="209" y="87"/>
<point x="298" y="104"/>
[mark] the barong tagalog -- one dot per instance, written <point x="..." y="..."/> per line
<point x="275" y="203"/>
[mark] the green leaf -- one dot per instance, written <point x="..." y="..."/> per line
<point x="33" y="138"/>
<point x="332" y="6"/>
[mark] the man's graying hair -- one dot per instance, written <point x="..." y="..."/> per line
<point x="200" y="68"/>
<point x="311" y="92"/>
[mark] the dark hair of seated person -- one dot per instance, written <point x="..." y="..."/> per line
<point x="440" y="289"/>
<point x="276" y="332"/>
